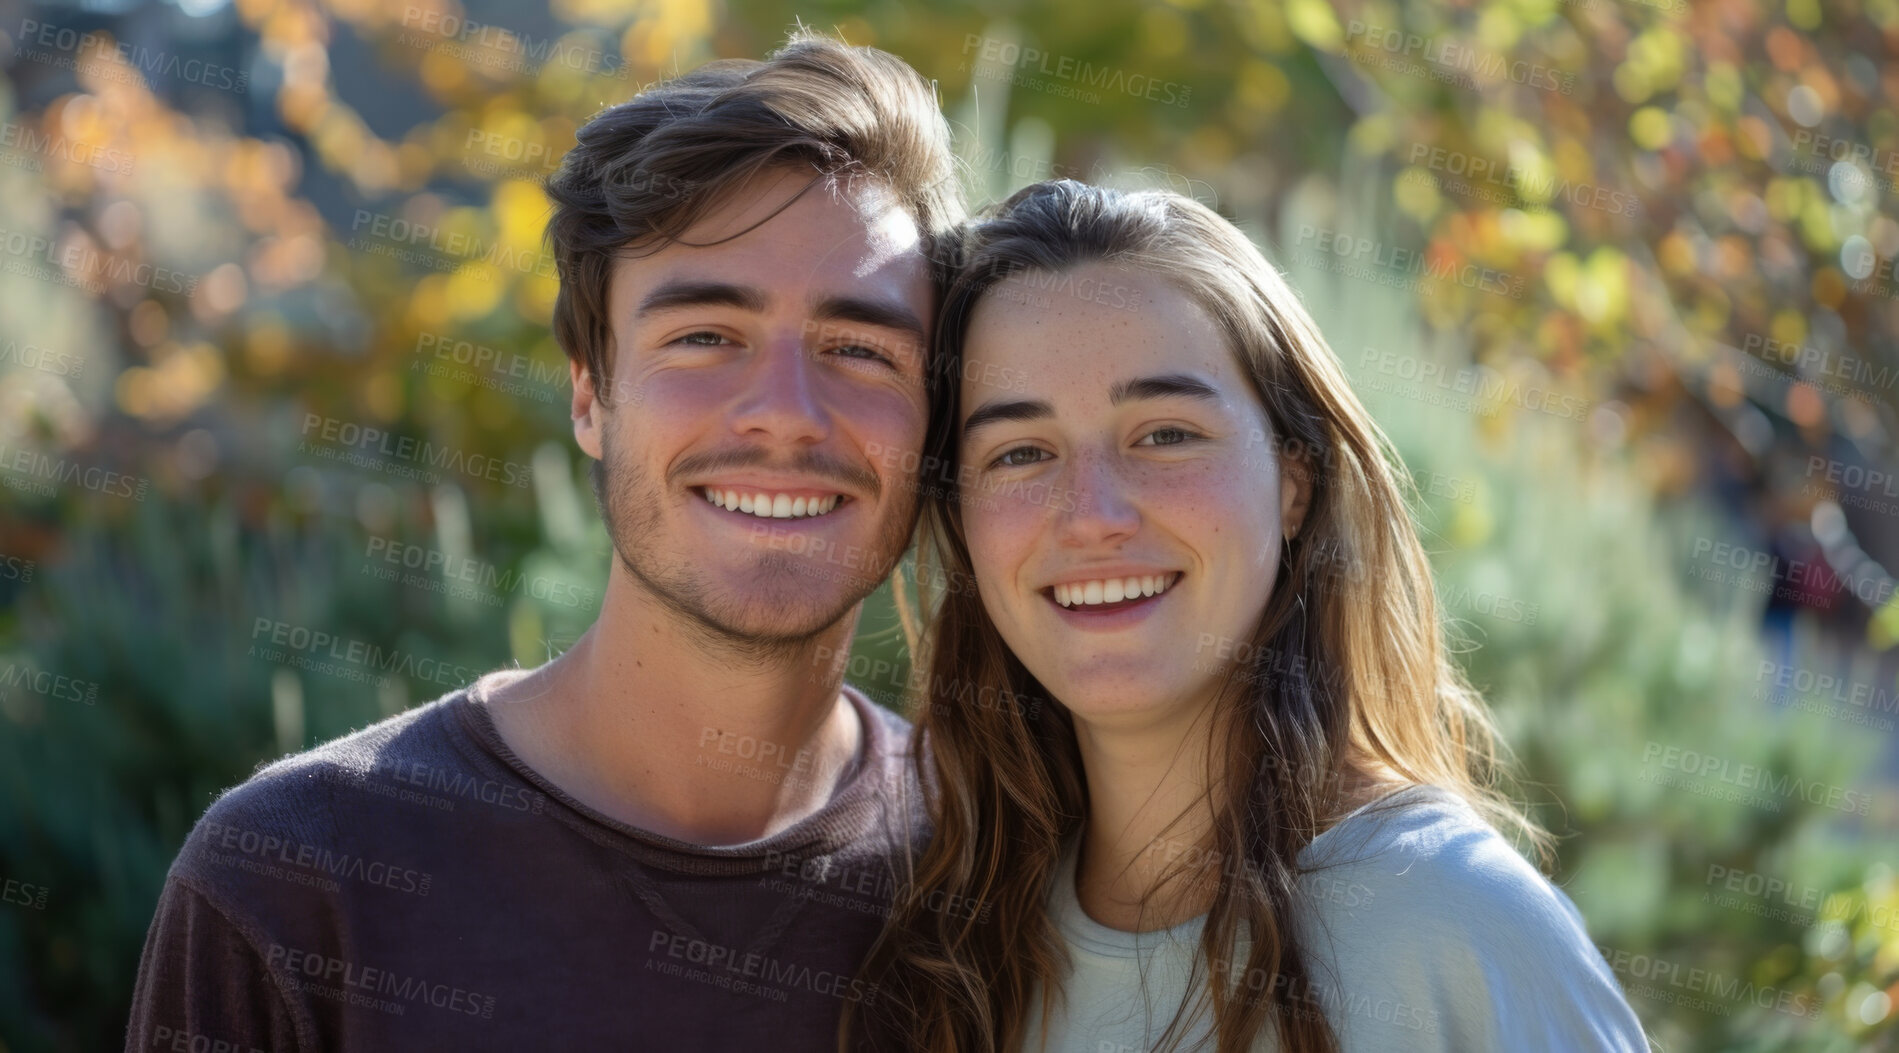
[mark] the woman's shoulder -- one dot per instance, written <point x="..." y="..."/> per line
<point x="1425" y="909"/>
<point x="1425" y="859"/>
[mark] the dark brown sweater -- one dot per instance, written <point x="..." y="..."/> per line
<point x="414" y="886"/>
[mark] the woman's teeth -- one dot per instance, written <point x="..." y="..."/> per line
<point x="770" y="506"/>
<point x="1113" y="590"/>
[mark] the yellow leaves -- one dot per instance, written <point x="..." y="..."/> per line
<point x="1804" y="14"/>
<point x="474" y="290"/>
<point x="1597" y="290"/>
<point x="1472" y="524"/>
<point x="1162" y="32"/>
<point x="179" y="381"/>
<point x="1789" y="327"/>
<point x="1649" y="127"/>
<point x="1262" y="88"/>
<point x="664" y="35"/>
<point x="520" y="211"/>
<point x="267" y="344"/>
<point x="1533" y="231"/>
<point x="1653" y="65"/>
<point x="1722" y="85"/>
<point x="1415" y="192"/>
<point x="1313" y="22"/>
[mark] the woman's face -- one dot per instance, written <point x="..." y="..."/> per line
<point x="1122" y="500"/>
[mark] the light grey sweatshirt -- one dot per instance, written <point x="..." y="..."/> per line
<point x="1425" y="931"/>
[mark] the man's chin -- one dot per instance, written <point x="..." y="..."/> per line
<point x="772" y="603"/>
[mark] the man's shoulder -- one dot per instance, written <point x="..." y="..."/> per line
<point x="342" y="798"/>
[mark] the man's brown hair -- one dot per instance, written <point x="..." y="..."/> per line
<point x="644" y="171"/>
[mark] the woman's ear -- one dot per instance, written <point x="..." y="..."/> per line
<point x="1295" y="493"/>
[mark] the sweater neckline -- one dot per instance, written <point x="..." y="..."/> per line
<point x="1090" y="935"/>
<point x="854" y="809"/>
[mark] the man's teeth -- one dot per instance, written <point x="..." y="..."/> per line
<point x="770" y="506"/>
<point x="1113" y="590"/>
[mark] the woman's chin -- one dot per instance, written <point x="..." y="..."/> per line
<point x="1104" y="696"/>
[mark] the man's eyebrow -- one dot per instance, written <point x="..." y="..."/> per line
<point x="881" y="313"/>
<point x="1164" y="385"/>
<point x="1010" y="410"/>
<point x="702" y="294"/>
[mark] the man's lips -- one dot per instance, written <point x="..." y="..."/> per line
<point x="769" y="502"/>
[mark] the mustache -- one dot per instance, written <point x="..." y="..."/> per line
<point x="856" y="478"/>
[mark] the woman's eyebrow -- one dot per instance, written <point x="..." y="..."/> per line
<point x="1159" y="386"/>
<point x="1011" y="410"/>
<point x="1163" y="385"/>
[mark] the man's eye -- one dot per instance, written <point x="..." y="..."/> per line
<point x="866" y="353"/>
<point x="1167" y="437"/>
<point x="1018" y="457"/>
<point x="704" y="338"/>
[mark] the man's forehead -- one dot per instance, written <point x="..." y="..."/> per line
<point x="855" y="211"/>
<point x="796" y="240"/>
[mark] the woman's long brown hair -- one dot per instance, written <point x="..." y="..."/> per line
<point x="1346" y="672"/>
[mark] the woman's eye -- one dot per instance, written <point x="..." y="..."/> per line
<point x="1166" y="437"/>
<point x="1016" y="458"/>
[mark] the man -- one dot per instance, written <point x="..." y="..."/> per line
<point x="679" y="834"/>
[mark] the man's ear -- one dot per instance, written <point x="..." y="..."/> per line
<point x="587" y="410"/>
<point x="1295" y="493"/>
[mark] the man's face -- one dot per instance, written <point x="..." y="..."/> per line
<point x="766" y="407"/>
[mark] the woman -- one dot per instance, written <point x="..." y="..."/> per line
<point x="1260" y="814"/>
